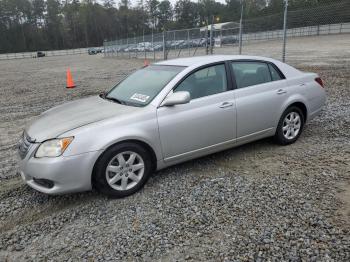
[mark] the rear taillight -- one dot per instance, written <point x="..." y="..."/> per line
<point x="319" y="81"/>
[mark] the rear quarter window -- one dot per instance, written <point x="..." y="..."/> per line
<point x="275" y="75"/>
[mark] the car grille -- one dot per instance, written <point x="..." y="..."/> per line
<point x="24" y="144"/>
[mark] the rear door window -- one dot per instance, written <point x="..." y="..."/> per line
<point x="250" y="73"/>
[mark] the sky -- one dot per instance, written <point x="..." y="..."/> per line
<point x="134" y="2"/>
<point x="174" y="1"/>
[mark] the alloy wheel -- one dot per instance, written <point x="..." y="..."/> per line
<point x="291" y="125"/>
<point x="125" y="170"/>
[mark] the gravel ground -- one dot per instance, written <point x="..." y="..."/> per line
<point x="256" y="202"/>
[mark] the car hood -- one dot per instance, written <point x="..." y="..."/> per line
<point x="71" y="115"/>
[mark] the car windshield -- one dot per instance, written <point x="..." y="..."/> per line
<point x="142" y="86"/>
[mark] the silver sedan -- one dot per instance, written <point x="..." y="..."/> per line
<point x="164" y="114"/>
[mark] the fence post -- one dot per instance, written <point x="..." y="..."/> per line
<point x="164" y="46"/>
<point x="104" y="47"/>
<point x="206" y="40"/>
<point x="127" y="46"/>
<point x="211" y="36"/>
<point x="154" y="51"/>
<point x="188" y="42"/>
<point x="285" y="30"/>
<point x="241" y="29"/>
<point x="135" y="44"/>
<point x="174" y="42"/>
<point x="220" y="37"/>
<point x="144" y="43"/>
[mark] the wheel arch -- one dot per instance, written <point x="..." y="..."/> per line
<point x="302" y="107"/>
<point x="298" y="101"/>
<point x="135" y="141"/>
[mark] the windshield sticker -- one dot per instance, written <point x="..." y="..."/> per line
<point x="139" y="97"/>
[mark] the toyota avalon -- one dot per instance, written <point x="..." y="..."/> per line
<point x="163" y="114"/>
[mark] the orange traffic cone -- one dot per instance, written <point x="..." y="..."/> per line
<point x="145" y="62"/>
<point x="70" y="82"/>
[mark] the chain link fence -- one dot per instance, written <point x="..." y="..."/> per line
<point x="168" y="44"/>
<point x="241" y="38"/>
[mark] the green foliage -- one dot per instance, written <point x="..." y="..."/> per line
<point x="164" y="15"/>
<point x="186" y="14"/>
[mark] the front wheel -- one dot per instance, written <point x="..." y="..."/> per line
<point x="122" y="170"/>
<point x="290" y="126"/>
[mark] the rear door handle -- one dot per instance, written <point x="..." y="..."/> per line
<point x="226" y="104"/>
<point x="281" y="92"/>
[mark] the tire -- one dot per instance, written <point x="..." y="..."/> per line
<point x="116" y="178"/>
<point x="292" y="120"/>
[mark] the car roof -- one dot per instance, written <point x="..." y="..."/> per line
<point x="202" y="60"/>
<point x="198" y="61"/>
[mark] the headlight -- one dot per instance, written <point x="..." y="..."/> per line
<point x="54" y="147"/>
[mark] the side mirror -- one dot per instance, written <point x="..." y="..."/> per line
<point x="177" y="98"/>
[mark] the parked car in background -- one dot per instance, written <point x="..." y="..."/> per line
<point x="95" y="50"/>
<point x="164" y="114"/>
<point x="40" y="54"/>
<point x="226" y="40"/>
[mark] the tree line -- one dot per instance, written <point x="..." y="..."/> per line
<point x="31" y="25"/>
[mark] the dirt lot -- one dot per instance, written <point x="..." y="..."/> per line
<point x="259" y="201"/>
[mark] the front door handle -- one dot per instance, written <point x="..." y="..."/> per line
<point x="226" y="104"/>
<point x="281" y="92"/>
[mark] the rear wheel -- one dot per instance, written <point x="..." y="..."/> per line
<point x="122" y="170"/>
<point x="290" y="126"/>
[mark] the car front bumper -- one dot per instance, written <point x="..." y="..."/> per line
<point x="58" y="175"/>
